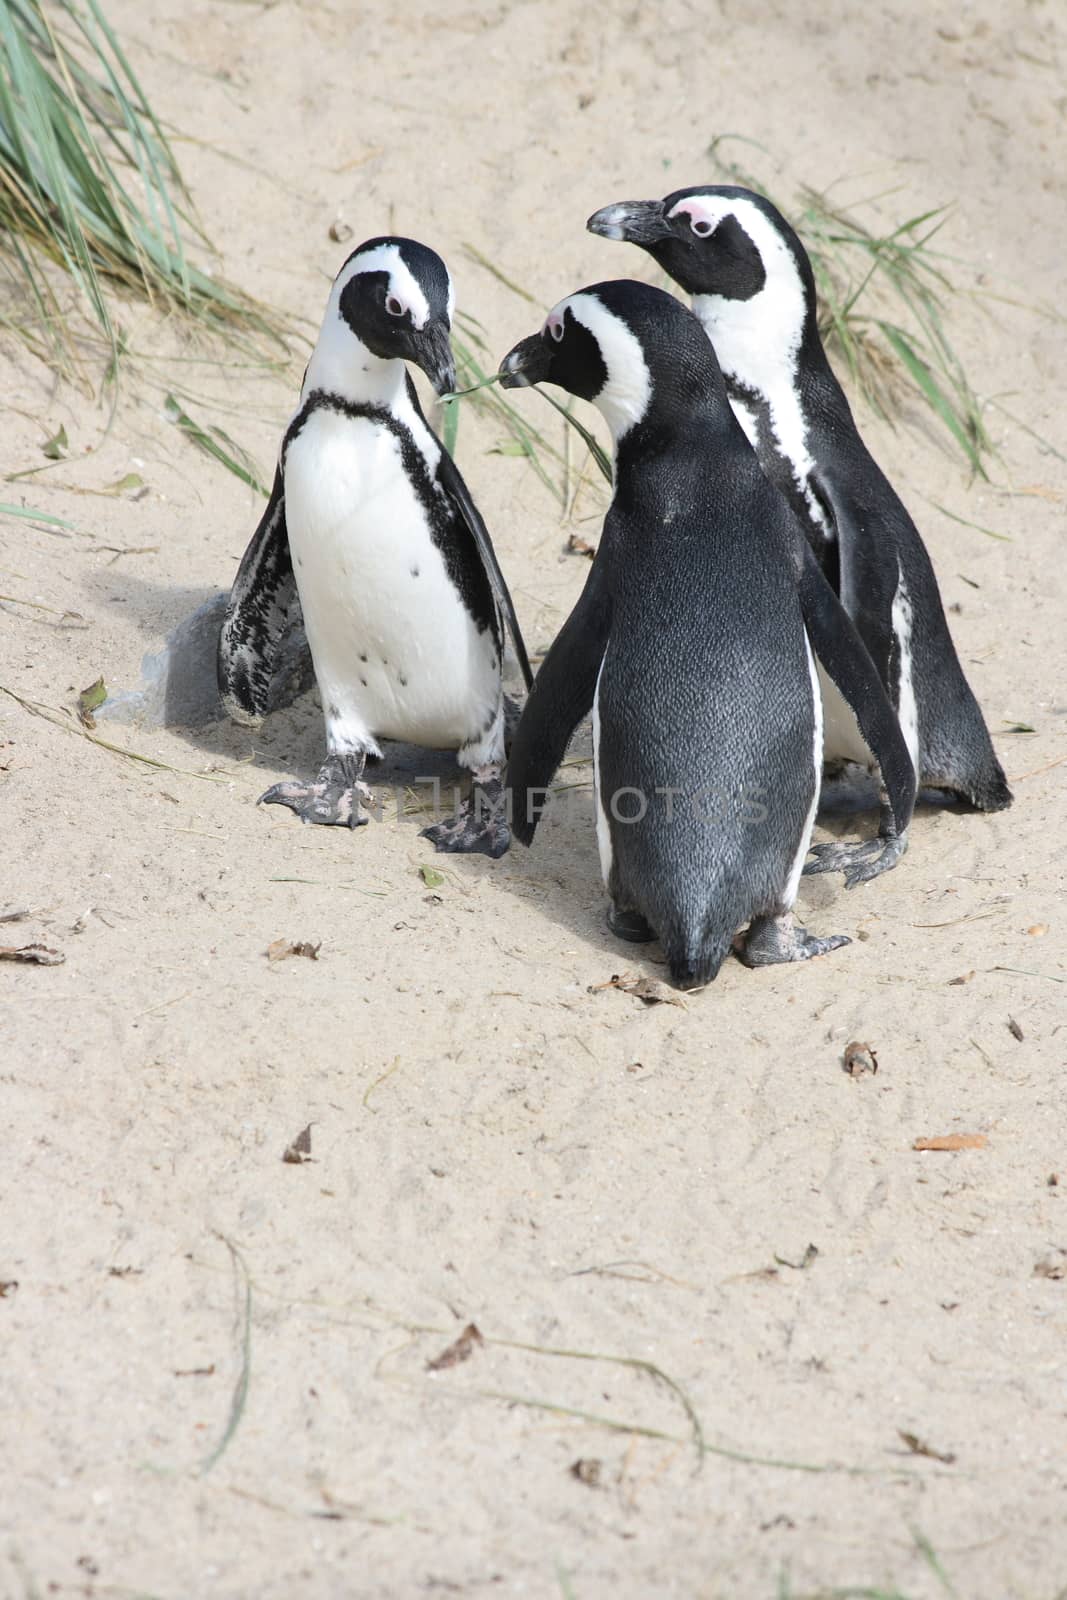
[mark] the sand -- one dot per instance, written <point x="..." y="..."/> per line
<point x="214" y="1373"/>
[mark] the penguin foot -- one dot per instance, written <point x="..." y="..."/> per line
<point x="480" y="826"/>
<point x="771" y="940"/>
<point x="332" y="800"/>
<point x="627" y="924"/>
<point x="859" y="862"/>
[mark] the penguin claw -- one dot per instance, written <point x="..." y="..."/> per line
<point x="858" y="862"/>
<point x="333" y="800"/>
<point x="467" y="834"/>
<point x="771" y="940"/>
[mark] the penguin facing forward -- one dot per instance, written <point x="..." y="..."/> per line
<point x="753" y="289"/>
<point x="370" y="521"/>
<point x="693" y="643"/>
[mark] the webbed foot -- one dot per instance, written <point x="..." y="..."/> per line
<point x="771" y="940"/>
<point x="859" y="862"/>
<point x="628" y="924"/>
<point x="480" y="826"/>
<point x="332" y="800"/>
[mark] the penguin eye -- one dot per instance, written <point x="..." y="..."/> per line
<point x="394" y="306"/>
<point x="701" y="227"/>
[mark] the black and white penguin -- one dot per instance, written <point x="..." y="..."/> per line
<point x="693" y="643"/>
<point x="400" y="589"/>
<point x="753" y="289"/>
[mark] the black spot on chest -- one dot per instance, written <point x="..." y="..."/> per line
<point x="448" y="528"/>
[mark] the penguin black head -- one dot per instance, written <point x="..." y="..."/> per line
<point x="733" y="252"/>
<point x="616" y="344"/>
<point x="393" y="300"/>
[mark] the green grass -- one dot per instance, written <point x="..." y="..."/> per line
<point x="89" y="185"/>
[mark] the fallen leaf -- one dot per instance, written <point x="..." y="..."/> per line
<point x="125" y="1272"/>
<point x="1037" y="929"/>
<point x="56" y="447"/>
<point x="919" y="1448"/>
<point x="89" y="700"/>
<point x="588" y="1470"/>
<point x="1015" y="1030"/>
<point x="649" y="990"/>
<point x="810" y="1254"/>
<point x="8" y="1286"/>
<point x="460" y="1349"/>
<point x="861" y="1059"/>
<point x="1052" y="1267"/>
<point x="577" y="546"/>
<point x="285" y="947"/>
<point x="195" y="1372"/>
<point x="38" y="953"/>
<point x="953" y="1141"/>
<point x="300" y="1150"/>
<point x="431" y="877"/>
<point x="965" y="977"/>
<point x="128" y="485"/>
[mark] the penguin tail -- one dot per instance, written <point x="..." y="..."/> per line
<point x="694" y="954"/>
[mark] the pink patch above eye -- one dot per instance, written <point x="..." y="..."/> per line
<point x="554" y="326"/>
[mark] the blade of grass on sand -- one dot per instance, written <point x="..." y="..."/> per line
<point x="214" y="442"/>
<point x="239" y="1397"/>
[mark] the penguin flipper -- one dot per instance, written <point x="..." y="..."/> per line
<point x="562" y="694"/>
<point x="452" y="483"/>
<point x="257" y="615"/>
<point x="847" y="662"/>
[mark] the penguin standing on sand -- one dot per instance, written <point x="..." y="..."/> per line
<point x="693" y="643"/>
<point x="753" y="290"/>
<point x="400" y="589"/>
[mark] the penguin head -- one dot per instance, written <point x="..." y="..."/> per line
<point x="728" y="247"/>
<point x="615" y="344"/>
<point x="392" y="300"/>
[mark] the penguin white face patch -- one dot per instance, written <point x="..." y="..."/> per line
<point x="625" y="396"/>
<point x="404" y="289"/>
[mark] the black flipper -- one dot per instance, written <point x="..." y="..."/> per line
<point x="452" y="483"/>
<point x="562" y="694"/>
<point x="847" y="662"/>
<point x="257" y="615"/>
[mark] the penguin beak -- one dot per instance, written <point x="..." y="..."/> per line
<point x="529" y="362"/>
<point x="637" y="221"/>
<point x="431" y="349"/>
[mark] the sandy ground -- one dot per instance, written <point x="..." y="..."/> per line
<point x="214" y="1370"/>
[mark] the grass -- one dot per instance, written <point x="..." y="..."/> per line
<point x="883" y="299"/>
<point x="89" y="185"/>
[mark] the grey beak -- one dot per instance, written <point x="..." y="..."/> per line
<point x="529" y="362"/>
<point x="637" y="221"/>
<point x="432" y="350"/>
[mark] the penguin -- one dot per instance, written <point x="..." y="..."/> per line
<point x="753" y="290"/>
<point x="370" y="524"/>
<point x="694" y="645"/>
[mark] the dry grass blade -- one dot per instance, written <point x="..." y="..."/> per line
<point x="244" y="1372"/>
<point x="90" y="184"/>
<point x="859" y="272"/>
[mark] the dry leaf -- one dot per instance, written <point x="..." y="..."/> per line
<point x="300" y="1150"/>
<point x="649" y="990"/>
<point x="965" y="977"/>
<point x="38" y="953"/>
<point x="588" y="1470"/>
<point x="919" y="1448"/>
<point x="953" y="1141"/>
<point x="577" y="546"/>
<point x="861" y="1059"/>
<point x="460" y="1349"/>
<point x="810" y="1254"/>
<point x="1054" y="1267"/>
<point x="1015" y="1030"/>
<point x="8" y="1286"/>
<point x="285" y="947"/>
<point x="90" y="700"/>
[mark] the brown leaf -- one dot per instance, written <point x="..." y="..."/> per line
<point x="649" y="990"/>
<point x="1054" y="1267"/>
<point x="588" y="1470"/>
<point x="919" y="1448"/>
<point x="861" y="1059"/>
<point x="195" y="1372"/>
<point x="300" y="1150"/>
<point x="125" y="1272"/>
<point x="39" y="953"/>
<point x="460" y="1349"/>
<point x="285" y="947"/>
<point x="953" y="1141"/>
<point x="1015" y="1030"/>
<point x="577" y="546"/>
<point x="965" y="977"/>
<point x="8" y="1286"/>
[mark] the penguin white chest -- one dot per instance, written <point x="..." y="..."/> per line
<point x="396" y="653"/>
